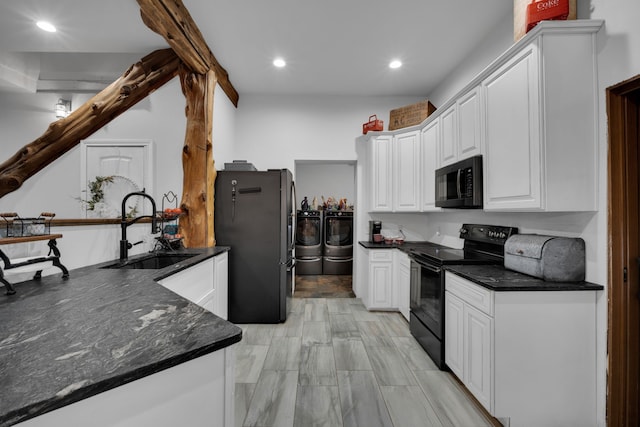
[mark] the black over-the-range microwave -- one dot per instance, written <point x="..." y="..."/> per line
<point x="460" y="185"/>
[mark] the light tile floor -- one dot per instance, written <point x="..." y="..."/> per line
<point x="333" y="363"/>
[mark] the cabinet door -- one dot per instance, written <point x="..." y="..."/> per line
<point x="221" y="285"/>
<point x="429" y="141"/>
<point x="449" y="139"/>
<point x="403" y="279"/>
<point x="194" y="283"/>
<point x="478" y="351"/>
<point x="381" y="284"/>
<point x="406" y="168"/>
<point x="454" y="334"/>
<point x="512" y="171"/>
<point x="381" y="174"/>
<point x="469" y="128"/>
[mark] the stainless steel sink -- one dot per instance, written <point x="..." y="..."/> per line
<point x="152" y="262"/>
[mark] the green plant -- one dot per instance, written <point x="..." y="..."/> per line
<point x="96" y="190"/>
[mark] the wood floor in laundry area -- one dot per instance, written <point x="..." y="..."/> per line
<point x="333" y="363"/>
<point x="324" y="286"/>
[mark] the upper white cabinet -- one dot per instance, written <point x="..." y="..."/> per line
<point x="406" y="172"/>
<point x="449" y="139"/>
<point x="540" y="115"/>
<point x="394" y="172"/>
<point x="461" y="129"/>
<point x="532" y="114"/>
<point x="380" y="173"/>
<point x="429" y="141"/>
<point x="469" y="124"/>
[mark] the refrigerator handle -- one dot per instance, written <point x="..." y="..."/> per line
<point x="294" y="204"/>
<point x="233" y="199"/>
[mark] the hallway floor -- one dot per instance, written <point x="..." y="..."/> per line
<point x="333" y="363"/>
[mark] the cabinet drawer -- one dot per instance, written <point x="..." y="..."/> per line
<point x="474" y="295"/>
<point x="381" y="255"/>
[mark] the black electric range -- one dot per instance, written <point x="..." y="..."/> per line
<point x="483" y="244"/>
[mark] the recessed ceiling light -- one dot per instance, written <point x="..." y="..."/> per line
<point x="279" y="62"/>
<point x="46" y="26"/>
<point x="395" y="64"/>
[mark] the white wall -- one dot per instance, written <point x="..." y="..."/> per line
<point x="159" y="118"/>
<point x="328" y="179"/>
<point x="274" y="131"/>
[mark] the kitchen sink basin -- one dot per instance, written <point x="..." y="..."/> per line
<point x="152" y="262"/>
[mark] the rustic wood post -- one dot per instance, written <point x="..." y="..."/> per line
<point x="197" y="159"/>
<point x="142" y="78"/>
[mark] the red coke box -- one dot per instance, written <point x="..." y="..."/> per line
<point x="546" y="10"/>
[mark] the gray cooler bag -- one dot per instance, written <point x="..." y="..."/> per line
<point x="555" y="259"/>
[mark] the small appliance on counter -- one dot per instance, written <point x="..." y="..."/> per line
<point x="550" y="258"/>
<point x="375" y="229"/>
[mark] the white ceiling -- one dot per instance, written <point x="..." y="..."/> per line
<point x="331" y="47"/>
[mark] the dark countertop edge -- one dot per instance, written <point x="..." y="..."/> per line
<point x="544" y="285"/>
<point x="41" y="408"/>
<point x="381" y="245"/>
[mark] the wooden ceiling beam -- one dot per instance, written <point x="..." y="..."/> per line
<point x="142" y="78"/>
<point x="172" y="20"/>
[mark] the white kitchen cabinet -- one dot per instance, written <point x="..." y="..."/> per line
<point x="406" y="172"/>
<point x="469" y="124"/>
<point x="381" y="173"/>
<point x="541" y="122"/>
<point x="429" y="141"/>
<point x="513" y="348"/>
<point x="221" y="285"/>
<point x="454" y="333"/>
<point x="379" y="292"/>
<point x="204" y="284"/>
<point x="461" y="128"/>
<point x="402" y="268"/>
<point x="478" y="340"/>
<point x="381" y="280"/>
<point x="449" y="139"/>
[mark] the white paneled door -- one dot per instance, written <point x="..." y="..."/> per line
<point x="130" y="165"/>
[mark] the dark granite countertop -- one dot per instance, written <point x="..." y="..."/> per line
<point x="407" y="246"/>
<point x="498" y="278"/>
<point x="62" y="341"/>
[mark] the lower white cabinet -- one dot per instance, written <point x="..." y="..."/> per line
<point x="402" y="267"/>
<point x="527" y="356"/>
<point x="380" y="280"/>
<point x="205" y="284"/>
<point x="387" y="281"/>
<point x="221" y="285"/>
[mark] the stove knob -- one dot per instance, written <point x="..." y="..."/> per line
<point x="463" y="231"/>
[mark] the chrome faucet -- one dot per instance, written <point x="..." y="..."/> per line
<point x="124" y="244"/>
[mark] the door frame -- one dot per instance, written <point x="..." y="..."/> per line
<point x="623" y="113"/>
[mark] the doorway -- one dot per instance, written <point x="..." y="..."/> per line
<point x="623" y="337"/>
<point x="326" y="198"/>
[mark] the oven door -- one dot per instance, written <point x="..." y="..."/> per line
<point x="427" y="295"/>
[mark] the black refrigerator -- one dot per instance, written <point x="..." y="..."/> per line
<point x="254" y="215"/>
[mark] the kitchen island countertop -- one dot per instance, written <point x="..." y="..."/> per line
<point x="64" y="340"/>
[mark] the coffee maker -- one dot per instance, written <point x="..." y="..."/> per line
<point x="375" y="227"/>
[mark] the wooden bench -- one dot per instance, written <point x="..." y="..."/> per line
<point x="18" y="265"/>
